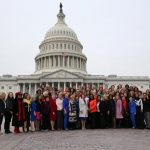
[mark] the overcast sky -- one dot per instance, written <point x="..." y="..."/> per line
<point x="115" y="34"/>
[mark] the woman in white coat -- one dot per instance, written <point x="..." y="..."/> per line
<point x="83" y="109"/>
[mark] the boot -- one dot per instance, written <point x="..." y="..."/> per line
<point x="18" y="130"/>
<point x="15" y="130"/>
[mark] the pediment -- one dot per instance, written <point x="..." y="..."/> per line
<point x="62" y="74"/>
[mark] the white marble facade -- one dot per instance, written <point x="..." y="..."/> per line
<point x="61" y="63"/>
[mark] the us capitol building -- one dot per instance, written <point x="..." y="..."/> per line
<point x="61" y="63"/>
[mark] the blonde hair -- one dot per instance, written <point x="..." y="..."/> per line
<point x="2" y="95"/>
<point x="72" y="97"/>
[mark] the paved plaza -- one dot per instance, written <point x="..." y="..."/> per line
<point x="103" y="139"/>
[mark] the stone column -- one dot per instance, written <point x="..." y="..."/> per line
<point x="18" y="88"/>
<point x="63" y="61"/>
<point x="50" y="63"/>
<point x="24" y="87"/>
<point x="98" y="86"/>
<point x="35" y="88"/>
<point x="80" y="63"/>
<point x="29" y="88"/>
<point x="83" y="64"/>
<point x="70" y="84"/>
<point x="77" y="62"/>
<point x="54" y="61"/>
<point x="64" y="86"/>
<point x="58" y="85"/>
<point x="92" y="85"/>
<point x="76" y="85"/>
<point x="58" y="61"/>
<point x="47" y="61"/>
<point x="52" y="84"/>
<point x="72" y="61"/>
<point x="68" y="61"/>
<point x="40" y="63"/>
<point x="81" y="84"/>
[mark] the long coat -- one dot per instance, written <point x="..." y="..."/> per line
<point x="83" y="107"/>
<point x="18" y="113"/>
<point x="53" y="109"/>
<point x="119" y="109"/>
<point x="33" y="110"/>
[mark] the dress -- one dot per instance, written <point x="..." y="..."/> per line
<point x="53" y="109"/>
<point x="83" y="107"/>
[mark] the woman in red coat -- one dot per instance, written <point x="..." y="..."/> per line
<point x="53" y="109"/>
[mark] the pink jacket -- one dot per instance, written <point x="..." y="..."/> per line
<point x="119" y="109"/>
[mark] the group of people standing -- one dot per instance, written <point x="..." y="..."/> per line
<point x="70" y="108"/>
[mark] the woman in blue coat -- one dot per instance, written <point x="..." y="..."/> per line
<point x="66" y="111"/>
<point x="33" y="114"/>
<point x="132" y="108"/>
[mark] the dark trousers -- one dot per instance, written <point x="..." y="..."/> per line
<point x="93" y="120"/>
<point x="126" y="121"/>
<point x="132" y="116"/>
<point x="139" y="120"/>
<point x="102" y="121"/>
<point x="1" y="120"/>
<point x="59" y="119"/>
<point x="45" y="122"/>
<point x="66" y="121"/>
<point x="119" y="123"/>
<point x="8" y="117"/>
<point x="98" y="119"/>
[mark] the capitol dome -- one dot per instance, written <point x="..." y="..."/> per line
<point x="60" y="49"/>
<point x="61" y="30"/>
